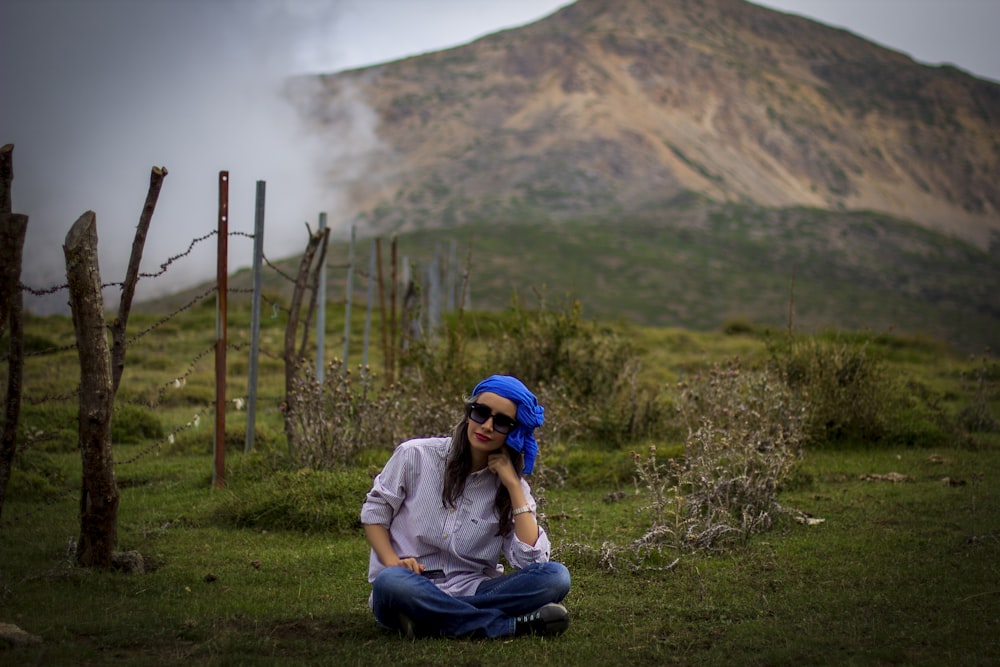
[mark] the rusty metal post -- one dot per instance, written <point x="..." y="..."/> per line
<point x="221" y="334"/>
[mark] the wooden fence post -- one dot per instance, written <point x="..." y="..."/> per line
<point x="13" y="228"/>
<point x="293" y="358"/>
<point x="321" y="312"/>
<point x="99" y="492"/>
<point x="156" y="176"/>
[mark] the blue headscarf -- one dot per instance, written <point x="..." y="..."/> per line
<point x="530" y="415"/>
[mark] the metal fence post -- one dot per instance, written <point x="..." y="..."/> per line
<point x="221" y="333"/>
<point x="258" y="266"/>
<point x="347" y="307"/>
<point x="371" y="305"/>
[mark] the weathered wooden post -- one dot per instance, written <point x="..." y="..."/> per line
<point x="321" y="312"/>
<point x="13" y="229"/>
<point x="156" y="176"/>
<point x="292" y="358"/>
<point x="99" y="492"/>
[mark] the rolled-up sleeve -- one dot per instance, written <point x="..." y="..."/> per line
<point x="388" y="491"/>
<point x="520" y="554"/>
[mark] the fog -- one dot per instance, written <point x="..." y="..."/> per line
<point x="194" y="87"/>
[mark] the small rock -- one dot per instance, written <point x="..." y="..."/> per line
<point x="894" y="477"/>
<point x="11" y="635"/>
<point x="129" y="562"/>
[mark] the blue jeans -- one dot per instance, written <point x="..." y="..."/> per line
<point x="488" y="613"/>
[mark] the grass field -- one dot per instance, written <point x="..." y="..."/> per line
<point x="897" y="573"/>
<point x="272" y="568"/>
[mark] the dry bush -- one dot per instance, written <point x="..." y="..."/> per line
<point x="348" y="412"/>
<point x="746" y="431"/>
<point x="745" y="434"/>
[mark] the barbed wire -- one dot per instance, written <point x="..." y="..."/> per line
<point x="45" y="291"/>
<point x="277" y="270"/>
<point x="163" y="320"/>
<point x="170" y="438"/>
<point x="180" y="380"/>
<point x="59" y="432"/>
<point x="53" y="398"/>
<point x="165" y="265"/>
<point x="48" y="502"/>
<point x="275" y="306"/>
<point x="42" y="353"/>
<point x="31" y="438"/>
<point x="132" y="339"/>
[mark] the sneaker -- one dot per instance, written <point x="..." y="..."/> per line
<point x="405" y="624"/>
<point x="552" y="619"/>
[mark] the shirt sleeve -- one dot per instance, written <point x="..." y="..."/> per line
<point x="388" y="490"/>
<point x="520" y="554"/>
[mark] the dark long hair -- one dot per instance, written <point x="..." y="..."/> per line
<point x="457" y="471"/>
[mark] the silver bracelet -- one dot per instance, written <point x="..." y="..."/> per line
<point x="522" y="509"/>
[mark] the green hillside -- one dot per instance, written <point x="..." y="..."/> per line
<point x="700" y="266"/>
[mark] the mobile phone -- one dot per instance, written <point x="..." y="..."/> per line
<point x="433" y="574"/>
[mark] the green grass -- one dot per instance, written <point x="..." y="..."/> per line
<point x="904" y="573"/>
<point x="272" y="568"/>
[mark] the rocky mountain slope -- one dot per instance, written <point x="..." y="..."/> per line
<point x="612" y="107"/>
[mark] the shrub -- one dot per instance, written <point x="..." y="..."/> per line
<point x="50" y="426"/>
<point x="337" y="418"/>
<point x="745" y="434"/>
<point x="133" y="423"/>
<point x="738" y="327"/>
<point x="587" y="376"/>
<point x="849" y="393"/>
<point x="746" y="431"/>
<point x="853" y="398"/>
<point x="35" y="475"/>
<point x="976" y="416"/>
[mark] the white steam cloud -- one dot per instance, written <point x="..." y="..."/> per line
<point x="115" y="87"/>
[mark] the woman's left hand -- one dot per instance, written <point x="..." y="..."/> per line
<point x="499" y="463"/>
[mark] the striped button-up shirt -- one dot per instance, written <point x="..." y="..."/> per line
<point x="462" y="541"/>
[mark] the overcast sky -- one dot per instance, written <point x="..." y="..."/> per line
<point x="93" y="93"/>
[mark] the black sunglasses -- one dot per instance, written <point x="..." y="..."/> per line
<point x="479" y="413"/>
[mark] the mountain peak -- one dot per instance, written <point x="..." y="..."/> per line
<point x="611" y="106"/>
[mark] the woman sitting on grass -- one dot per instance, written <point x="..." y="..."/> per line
<point x="442" y="511"/>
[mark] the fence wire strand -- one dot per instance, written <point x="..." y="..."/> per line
<point x="55" y="430"/>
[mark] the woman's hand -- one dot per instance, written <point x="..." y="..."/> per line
<point x="410" y="564"/>
<point x="500" y="465"/>
<point x="525" y="525"/>
<point x="378" y="538"/>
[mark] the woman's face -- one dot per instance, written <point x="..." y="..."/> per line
<point x="483" y="438"/>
